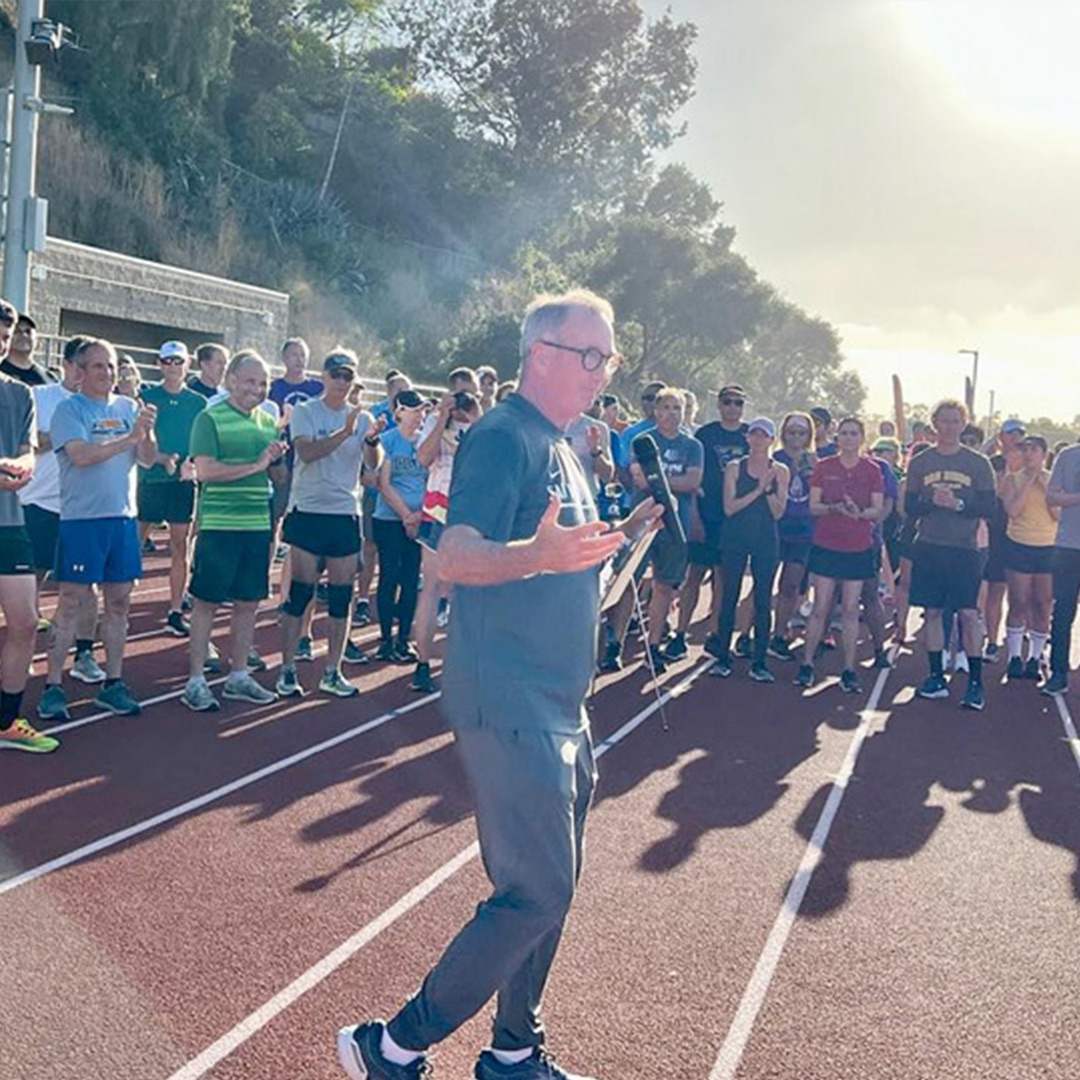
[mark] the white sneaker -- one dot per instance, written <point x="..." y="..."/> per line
<point x="242" y="687"/>
<point x="199" y="697"/>
<point x="86" y="669"/>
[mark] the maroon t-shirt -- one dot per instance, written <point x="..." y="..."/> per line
<point x="835" y="531"/>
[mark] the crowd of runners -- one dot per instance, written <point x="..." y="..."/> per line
<point x="837" y="527"/>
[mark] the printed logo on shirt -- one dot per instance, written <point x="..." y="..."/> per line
<point x="566" y="479"/>
<point x="107" y="429"/>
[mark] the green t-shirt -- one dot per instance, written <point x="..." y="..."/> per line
<point x="233" y="438"/>
<point x="172" y="429"/>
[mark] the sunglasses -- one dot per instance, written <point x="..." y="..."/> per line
<point x="171" y="361"/>
<point x="344" y="375"/>
<point x="733" y="401"/>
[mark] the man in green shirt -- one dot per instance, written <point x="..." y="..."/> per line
<point x="165" y="493"/>
<point x="234" y="444"/>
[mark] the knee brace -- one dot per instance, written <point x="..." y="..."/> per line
<point x="338" y="600"/>
<point x="300" y="595"/>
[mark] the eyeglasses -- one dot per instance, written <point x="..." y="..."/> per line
<point x="591" y="359"/>
<point x="171" y="361"/>
<point x="740" y="402"/>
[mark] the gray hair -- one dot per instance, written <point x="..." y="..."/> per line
<point x="242" y="359"/>
<point x="547" y="313"/>
<point x="86" y="344"/>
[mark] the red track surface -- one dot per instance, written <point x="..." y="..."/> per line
<point x="937" y="937"/>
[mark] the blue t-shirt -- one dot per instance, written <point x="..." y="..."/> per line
<point x="631" y="433"/>
<point x="892" y="491"/>
<point x="407" y="476"/>
<point x="284" y="393"/>
<point x="382" y="408"/>
<point x="106" y="489"/>
<point x="797" y="526"/>
<point x="677" y="457"/>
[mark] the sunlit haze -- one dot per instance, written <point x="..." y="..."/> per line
<point x="908" y="171"/>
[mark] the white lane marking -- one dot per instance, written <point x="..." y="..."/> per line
<point x="1070" y="728"/>
<point x="262" y="1016"/>
<point x="205" y="799"/>
<point x="727" y="1061"/>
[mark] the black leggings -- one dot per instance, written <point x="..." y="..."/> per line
<point x="399" y="577"/>
<point x="1066" y="569"/>
<point x="763" y="561"/>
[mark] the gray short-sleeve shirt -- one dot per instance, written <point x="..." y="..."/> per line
<point x="330" y="485"/>
<point x="520" y="654"/>
<point x="1066" y="475"/>
<point x="16" y="431"/>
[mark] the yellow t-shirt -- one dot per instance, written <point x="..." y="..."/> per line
<point x="1033" y="524"/>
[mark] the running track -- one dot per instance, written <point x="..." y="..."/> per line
<point x="777" y="886"/>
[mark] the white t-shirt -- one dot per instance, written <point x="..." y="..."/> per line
<point x="440" y="472"/>
<point x="267" y="406"/>
<point x="44" y="489"/>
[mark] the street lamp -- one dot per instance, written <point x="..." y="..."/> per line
<point x="974" y="354"/>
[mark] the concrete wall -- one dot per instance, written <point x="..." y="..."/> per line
<point x="75" y="288"/>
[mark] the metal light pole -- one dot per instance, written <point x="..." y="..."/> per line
<point x="23" y="168"/>
<point x="972" y="386"/>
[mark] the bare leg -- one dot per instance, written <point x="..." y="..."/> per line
<point x="242" y="631"/>
<point x="428" y="606"/>
<point x="18" y="599"/>
<point x="341" y="572"/>
<point x="70" y="602"/>
<point x="850" y="592"/>
<point x="202" y="623"/>
<point x="179" y="534"/>
<point x="689" y="596"/>
<point x="304" y="569"/>
<point x="824" y="589"/>
<point x="114" y="624"/>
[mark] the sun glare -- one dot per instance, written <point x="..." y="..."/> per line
<point x="1013" y="58"/>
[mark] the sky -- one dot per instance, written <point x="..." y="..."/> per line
<point x="908" y="170"/>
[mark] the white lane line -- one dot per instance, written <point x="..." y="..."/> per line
<point x="262" y="1016"/>
<point x="727" y="1061"/>
<point x="205" y="799"/>
<point x="1070" y="727"/>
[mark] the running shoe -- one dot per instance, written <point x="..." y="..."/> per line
<point x="360" y="1054"/>
<point x="779" y="649"/>
<point x="933" y="688"/>
<point x="744" y="647"/>
<point x="199" y="697"/>
<point x="22" y="735"/>
<point x="539" y="1065"/>
<point x="1055" y="685"/>
<point x="333" y="682"/>
<point x="213" y="665"/>
<point x="973" y="698"/>
<point x="185" y="603"/>
<point x="43" y="625"/>
<point x="1015" y="668"/>
<point x="676" y="648"/>
<point x="385" y="652"/>
<point x="760" y="673"/>
<point x="362" y="613"/>
<point x="612" y="658"/>
<point x="714" y="646"/>
<point x="721" y="669"/>
<point x="849" y="682"/>
<point x="86" y="669"/>
<point x="118" y="699"/>
<point x="422" y="681"/>
<point x="881" y="659"/>
<point x="354" y="654"/>
<point x="53" y="704"/>
<point x="1033" y="669"/>
<point x="254" y="661"/>
<point x="288" y="685"/>
<point x="148" y="546"/>
<point x="442" y="617"/>
<point x="177" y="625"/>
<point x="656" y="658"/>
<point x="992" y="653"/>
<point x="405" y="652"/>
<point x="242" y="687"/>
<point x="303" y="650"/>
<point x="828" y="643"/>
<point x="805" y="676"/>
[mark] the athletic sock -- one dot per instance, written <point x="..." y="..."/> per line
<point x="512" y="1057"/>
<point x="1037" y="644"/>
<point x="937" y="665"/>
<point x="1014" y="641"/>
<point x="393" y="1053"/>
<point x="975" y="671"/>
<point x="9" y="708"/>
<point x="84" y="645"/>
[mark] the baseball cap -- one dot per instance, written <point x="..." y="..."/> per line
<point x="339" y="362"/>
<point x="821" y="414"/>
<point x="731" y="388"/>
<point x="886" y="442"/>
<point x="26" y="320"/>
<point x="762" y="423"/>
<point x="1011" y="426"/>
<point x="408" y="399"/>
<point x="173" y="348"/>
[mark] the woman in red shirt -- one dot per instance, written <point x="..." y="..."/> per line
<point x="846" y="498"/>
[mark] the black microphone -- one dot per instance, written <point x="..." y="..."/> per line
<point x="648" y="457"/>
